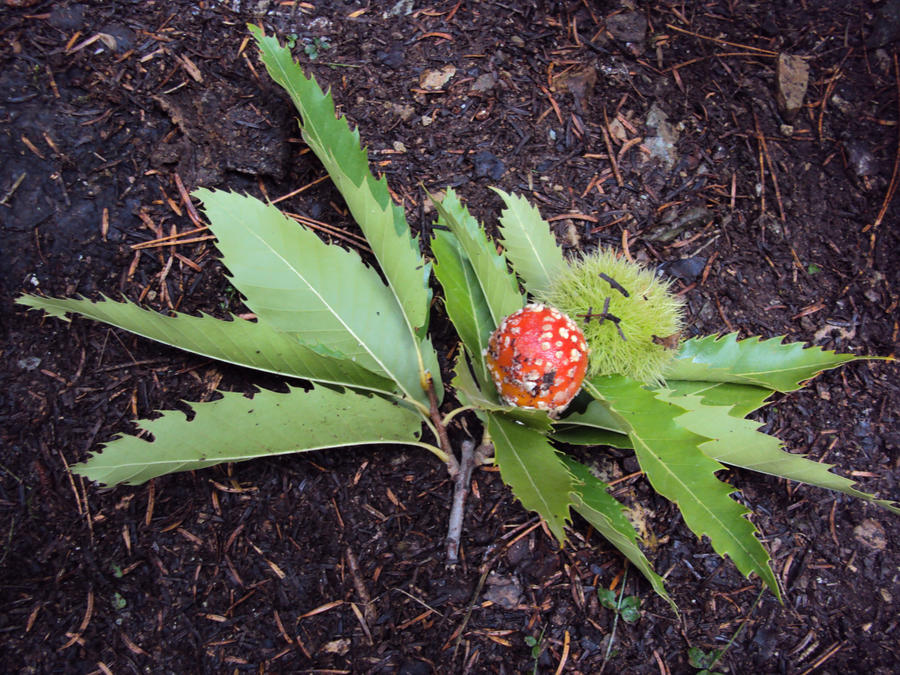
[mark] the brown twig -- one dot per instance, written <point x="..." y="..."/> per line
<point x="186" y="200"/>
<point x="609" y="149"/>
<point x="762" y="173"/>
<point x="439" y="427"/>
<point x="461" y="484"/>
<point x="770" y="164"/>
<point x="299" y="190"/>
<point x="360" y="585"/>
<point x="349" y="237"/>
<point x="757" y="50"/>
<point x="554" y="104"/>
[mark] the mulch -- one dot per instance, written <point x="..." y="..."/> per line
<point x="654" y="131"/>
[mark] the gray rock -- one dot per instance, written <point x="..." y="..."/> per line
<point x="483" y="84"/>
<point x="29" y="363"/>
<point x="505" y="591"/>
<point x="662" y="144"/>
<point x="67" y="18"/>
<point x="487" y="164"/>
<point x="686" y="269"/>
<point x="627" y="26"/>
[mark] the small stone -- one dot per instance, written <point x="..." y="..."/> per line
<point x="791" y="79"/>
<point x="871" y="533"/>
<point x="427" y="120"/>
<point x="505" y="591"/>
<point x="117" y="37"/>
<point x="842" y="104"/>
<point x="860" y="160"/>
<point x="399" y="146"/>
<point x="686" y="269"/>
<point x="29" y="363"/>
<point x="661" y="144"/>
<point x="67" y="18"/>
<point x="339" y="647"/>
<point x="483" y="84"/>
<point x="627" y="26"/>
<point x="434" y="79"/>
<point x="487" y="164"/>
<point x="399" y="8"/>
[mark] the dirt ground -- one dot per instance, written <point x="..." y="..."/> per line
<point x="651" y="126"/>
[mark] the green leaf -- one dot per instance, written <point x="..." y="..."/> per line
<point x="630" y="609"/>
<point x="585" y="435"/>
<point x="701" y="659"/>
<point x="463" y="300"/>
<point x="744" y="398"/>
<point x="529" y="243"/>
<point x="244" y="343"/>
<point x="338" y="148"/>
<point x="594" y="503"/>
<point x="321" y="294"/>
<point x="595" y="425"/>
<point x="738" y="442"/>
<point x="607" y="597"/>
<point x="767" y="363"/>
<point x="678" y="469"/>
<point x="235" y="428"/>
<point x="532" y="469"/>
<point x="498" y="285"/>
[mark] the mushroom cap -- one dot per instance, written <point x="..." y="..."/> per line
<point x="537" y="358"/>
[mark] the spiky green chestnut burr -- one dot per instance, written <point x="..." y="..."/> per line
<point x="630" y="318"/>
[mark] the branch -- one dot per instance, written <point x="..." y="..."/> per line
<point x="460" y="492"/>
<point x="441" y="429"/>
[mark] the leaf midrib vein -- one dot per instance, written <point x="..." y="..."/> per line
<point x="511" y="446"/>
<point x="691" y="493"/>
<point x="333" y="312"/>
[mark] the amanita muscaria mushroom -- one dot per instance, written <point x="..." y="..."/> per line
<point x="537" y="357"/>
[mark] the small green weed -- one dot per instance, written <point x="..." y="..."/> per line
<point x="536" y="648"/>
<point x="628" y="607"/>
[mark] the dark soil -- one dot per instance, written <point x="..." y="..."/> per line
<point x="104" y="107"/>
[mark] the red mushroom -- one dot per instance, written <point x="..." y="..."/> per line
<point x="537" y="358"/>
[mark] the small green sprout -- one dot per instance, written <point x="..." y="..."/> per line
<point x="628" y="607"/>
